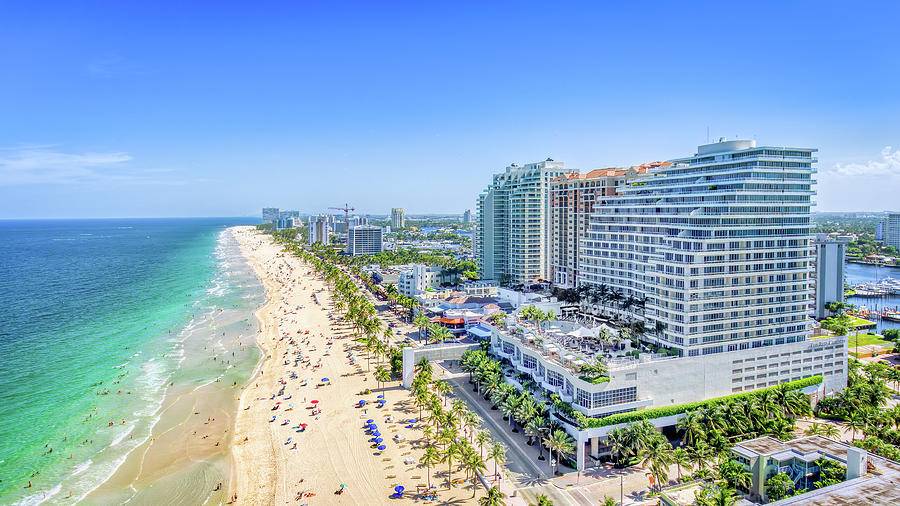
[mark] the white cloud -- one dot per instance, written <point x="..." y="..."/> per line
<point x="36" y="165"/>
<point x="888" y="165"/>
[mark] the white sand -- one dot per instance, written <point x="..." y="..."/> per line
<point x="334" y="449"/>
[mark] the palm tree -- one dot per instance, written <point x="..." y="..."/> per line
<point x="494" y="497"/>
<point x="699" y="454"/>
<point x="856" y="422"/>
<point x="690" y="425"/>
<point x="561" y="443"/>
<point x="815" y="429"/>
<point x="658" y="454"/>
<point x="430" y="458"/>
<point x="420" y="321"/>
<point x="382" y="375"/>
<point x="617" y="444"/>
<point x="475" y="464"/>
<point x="681" y="459"/>
<point x="450" y="452"/>
<point x="443" y="388"/>
<point x="830" y="431"/>
<point x="469" y="422"/>
<point x="481" y="439"/>
<point x="498" y="454"/>
<point x="542" y="500"/>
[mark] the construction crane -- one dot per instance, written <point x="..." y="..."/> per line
<point x="346" y="210"/>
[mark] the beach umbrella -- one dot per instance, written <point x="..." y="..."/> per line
<point x="413" y="420"/>
<point x="378" y="440"/>
<point x="325" y="379"/>
<point x="303" y="425"/>
<point x="376" y="433"/>
<point x="381" y="396"/>
<point x="314" y="401"/>
<point x="370" y="420"/>
<point x="381" y="447"/>
<point x="399" y="488"/>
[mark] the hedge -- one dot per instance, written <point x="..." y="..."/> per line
<point x="649" y="414"/>
<point x="595" y="381"/>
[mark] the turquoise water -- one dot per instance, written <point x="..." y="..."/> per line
<point x="92" y="308"/>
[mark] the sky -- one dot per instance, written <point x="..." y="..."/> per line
<point x="128" y="109"/>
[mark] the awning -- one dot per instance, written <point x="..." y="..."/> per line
<point x="476" y="331"/>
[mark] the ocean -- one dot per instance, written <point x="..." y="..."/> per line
<point x="98" y="320"/>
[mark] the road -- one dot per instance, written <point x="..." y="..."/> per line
<point x="517" y="461"/>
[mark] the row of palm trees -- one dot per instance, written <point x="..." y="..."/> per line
<point x="519" y="408"/>
<point x="441" y="434"/>
<point x="451" y="434"/>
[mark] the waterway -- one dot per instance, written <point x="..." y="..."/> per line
<point x="859" y="273"/>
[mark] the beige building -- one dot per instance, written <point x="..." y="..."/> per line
<point x="572" y="199"/>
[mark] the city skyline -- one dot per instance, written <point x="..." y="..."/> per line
<point x="108" y="118"/>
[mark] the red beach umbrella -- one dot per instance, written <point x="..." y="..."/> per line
<point x="314" y="402"/>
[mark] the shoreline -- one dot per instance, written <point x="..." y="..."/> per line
<point x="187" y="450"/>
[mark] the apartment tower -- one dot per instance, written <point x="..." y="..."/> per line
<point x="512" y="227"/>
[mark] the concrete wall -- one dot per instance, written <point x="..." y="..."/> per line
<point x="434" y="352"/>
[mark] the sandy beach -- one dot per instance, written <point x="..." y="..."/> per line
<point x="274" y="460"/>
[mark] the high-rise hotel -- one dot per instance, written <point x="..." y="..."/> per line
<point x="712" y="252"/>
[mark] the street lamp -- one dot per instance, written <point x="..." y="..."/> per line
<point x="541" y="441"/>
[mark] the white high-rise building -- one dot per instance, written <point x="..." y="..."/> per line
<point x="712" y="253"/>
<point x="364" y="240"/>
<point x="398" y="218"/>
<point x="891" y="230"/>
<point x="511" y="240"/>
<point x="467" y="216"/>
<point x="320" y="228"/>
<point x="829" y="272"/>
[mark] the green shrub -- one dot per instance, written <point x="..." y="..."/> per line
<point x="649" y="414"/>
<point x="596" y="380"/>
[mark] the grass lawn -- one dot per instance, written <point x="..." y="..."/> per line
<point x="859" y="321"/>
<point x="864" y="340"/>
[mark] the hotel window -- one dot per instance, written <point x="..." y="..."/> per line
<point x="507" y="348"/>
<point x="570" y="390"/>
<point x="554" y="378"/>
<point x="583" y="399"/>
<point x="618" y="396"/>
<point x="529" y="362"/>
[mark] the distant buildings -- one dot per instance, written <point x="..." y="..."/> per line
<point x="270" y="214"/>
<point x="829" y="271"/>
<point x="283" y="223"/>
<point x="467" y="216"/>
<point x="289" y="214"/>
<point x="340" y="225"/>
<point x="398" y="218"/>
<point x="364" y="240"/>
<point x="512" y="229"/>
<point x="891" y="230"/>
<point x="320" y="228"/>
<point x="572" y="198"/>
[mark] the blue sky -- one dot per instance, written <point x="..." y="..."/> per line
<point x="121" y="109"/>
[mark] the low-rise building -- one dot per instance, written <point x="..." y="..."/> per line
<point x="656" y="381"/>
<point x="418" y="278"/>
<point x="800" y="458"/>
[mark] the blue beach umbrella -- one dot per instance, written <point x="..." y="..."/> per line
<point x="325" y="379"/>
<point x="381" y="396"/>
<point x="369" y="420"/>
<point x="381" y="447"/>
<point x="399" y="488"/>
<point x="378" y="440"/>
<point x="376" y="433"/>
